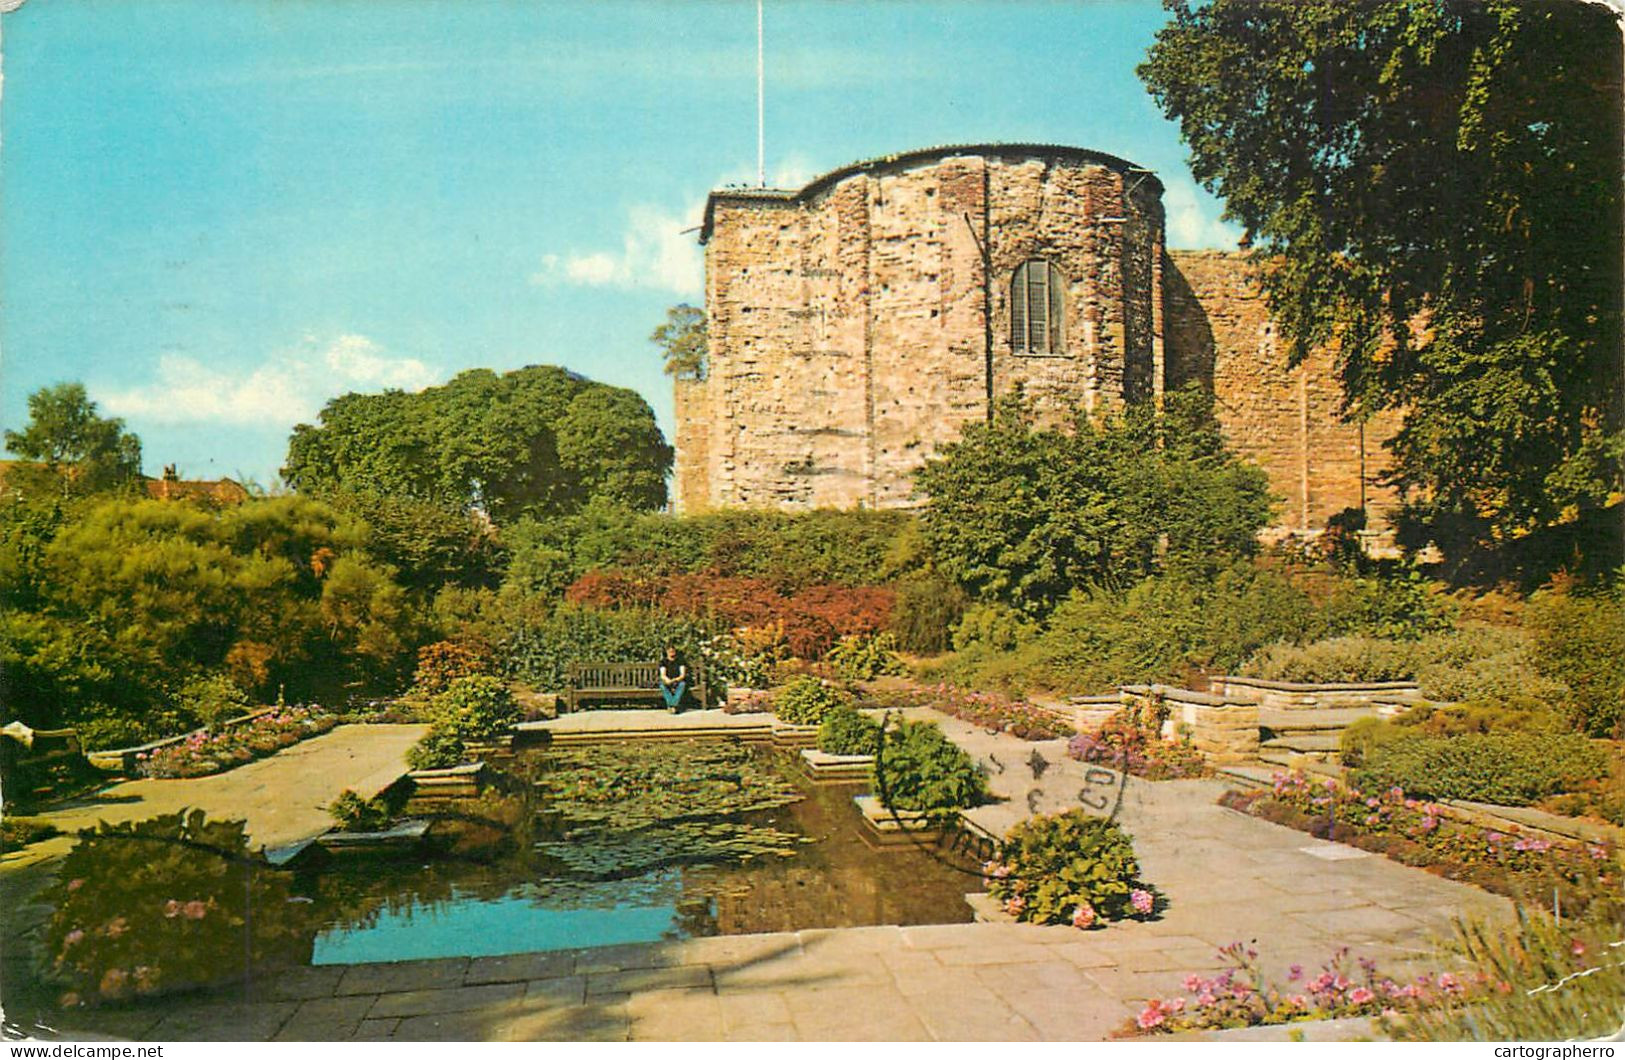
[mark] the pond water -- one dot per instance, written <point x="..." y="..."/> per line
<point x="680" y="854"/>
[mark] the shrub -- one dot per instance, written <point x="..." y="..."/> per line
<point x="918" y="768"/>
<point x="537" y="648"/>
<point x="861" y="658"/>
<point x="1398" y="605"/>
<point x="806" y="700"/>
<point x="439" y="749"/>
<point x="476" y="708"/>
<point x="352" y="813"/>
<point x="928" y="607"/>
<point x="18" y="832"/>
<point x="1345" y="658"/>
<point x="444" y="661"/>
<point x="211" y="700"/>
<point x="848" y="731"/>
<point x="1510" y="768"/>
<point x="993" y="625"/>
<point x="1069" y="868"/>
<point x="1580" y="640"/>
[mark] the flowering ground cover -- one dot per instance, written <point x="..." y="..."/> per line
<point x="1243" y="996"/>
<point x="987" y="710"/>
<point x="1124" y="742"/>
<point x="1417" y="832"/>
<point x="205" y="752"/>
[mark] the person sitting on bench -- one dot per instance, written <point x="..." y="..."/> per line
<point x="673" y="679"/>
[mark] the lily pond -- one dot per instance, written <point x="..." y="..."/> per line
<point x="639" y="843"/>
<point x="568" y="849"/>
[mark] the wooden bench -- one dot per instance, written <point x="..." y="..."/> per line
<point x="625" y="681"/>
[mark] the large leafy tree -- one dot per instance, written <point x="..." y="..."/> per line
<point x="81" y="451"/>
<point x="1435" y="190"/>
<point x="1025" y="515"/>
<point x="537" y="441"/>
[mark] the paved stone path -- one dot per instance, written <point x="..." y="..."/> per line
<point x="1225" y="876"/>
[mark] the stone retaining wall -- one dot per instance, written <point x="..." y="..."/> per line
<point x="1289" y="695"/>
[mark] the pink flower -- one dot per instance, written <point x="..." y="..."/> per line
<point x="1449" y="982"/>
<point x="73" y="937"/>
<point x="172" y="909"/>
<point x="1360" y="995"/>
<point x="1577" y="947"/>
<point x="74" y="885"/>
<point x="195" y="910"/>
<point x="1205" y="999"/>
<point x="1015" y="905"/>
<point x="1193" y="983"/>
<point x="1083" y="917"/>
<point x="1141" y="901"/>
<point x="1295" y="973"/>
<point x="1299" y="1001"/>
<point x="1153" y="1016"/>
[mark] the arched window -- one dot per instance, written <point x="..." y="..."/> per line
<point x="1037" y="308"/>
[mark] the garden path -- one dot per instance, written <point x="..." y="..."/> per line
<point x="1225" y="876"/>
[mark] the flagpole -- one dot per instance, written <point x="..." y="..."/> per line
<point x="761" y="140"/>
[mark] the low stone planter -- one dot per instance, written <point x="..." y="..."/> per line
<point x="1292" y="695"/>
<point x="464" y="781"/>
<point x="836" y="769"/>
<point x="402" y="837"/>
<point x="887" y="826"/>
<point x="794" y="737"/>
<point x="988" y="909"/>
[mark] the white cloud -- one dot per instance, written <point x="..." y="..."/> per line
<point x="656" y="253"/>
<point x="1193" y="224"/>
<point x="288" y="387"/>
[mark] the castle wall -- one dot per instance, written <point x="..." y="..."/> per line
<point x="849" y="333"/>
<point x="1287" y="420"/>
<point x="848" y="329"/>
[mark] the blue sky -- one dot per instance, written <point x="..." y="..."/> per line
<point x="218" y="214"/>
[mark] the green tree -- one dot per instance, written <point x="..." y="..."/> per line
<point x="1435" y="190"/>
<point x="682" y="341"/>
<point x="1024" y="515"/>
<point x="489" y="442"/>
<point x="81" y="451"/>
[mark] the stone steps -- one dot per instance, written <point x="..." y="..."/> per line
<point x="1305" y="743"/>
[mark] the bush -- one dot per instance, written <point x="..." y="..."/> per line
<point x="1509" y="768"/>
<point x="18" y="832"/>
<point x="1346" y="658"/>
<point x="444" y="661"/>
<point x="352" y="813"/>
<point x="995" y="626"/>
<point x="848" y="731"/>
<point x="476" y="708"/>
<point x="211" y="700"/>
<point x="1580" y="640"/>
<point x="1124" y="741"/>
<point x="928" y="607"/>
<point x="439" y="749"/>
<point x="861" y="658"/>
<point x="806" y="700"/>
<point x="1069" y="868"/>
<point x="1397" y="605"/>
<point x="918" y="768"/>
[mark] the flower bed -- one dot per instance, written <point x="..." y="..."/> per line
<point x="986" y="710"/>
<point x="1126" y="743"/>
<point x="205" y="752"/>
<point x="1241" y="996"/>
<point x="1418" y="833"/>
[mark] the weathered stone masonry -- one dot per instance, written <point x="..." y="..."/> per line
<point x="860" y="322"/>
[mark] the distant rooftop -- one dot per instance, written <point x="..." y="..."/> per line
<point x="908" y="159"/>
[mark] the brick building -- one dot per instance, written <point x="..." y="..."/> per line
<point x="861" y="321"/>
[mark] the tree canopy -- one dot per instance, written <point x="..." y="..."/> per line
<point x="1025" y="515"/>
<point x="1434" y="187"/>
<point x="682" y="339"/>
<point x="81" y="451"/>
<point x="538" y="441"/>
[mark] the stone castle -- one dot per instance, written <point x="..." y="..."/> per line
<point x="858" y="323"/>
